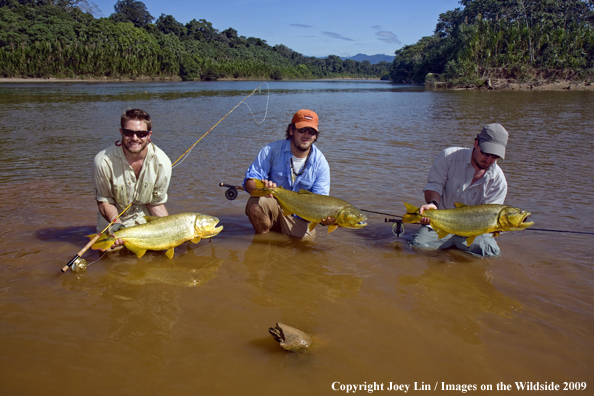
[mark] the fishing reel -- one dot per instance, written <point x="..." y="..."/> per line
<point x="397" y="228"/>
<point x="79" y="265"/>
<point x="231" y="192"/>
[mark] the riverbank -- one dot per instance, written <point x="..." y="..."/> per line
<point x="86" y="80"/>
<point x="139" y="79"/>
<point x="501" y="84"/>
<point x="513" y="85"/>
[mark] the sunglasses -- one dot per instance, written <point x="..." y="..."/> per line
<point x="129" y="133"/>
<point x="495" y="157"/>
<point x="311" y="131"/>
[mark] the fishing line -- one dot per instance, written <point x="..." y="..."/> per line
<point x="380" y="213"/>
<point x="266" y="112"/>
<point x="76" y="260"/>
<point x="187" y="153"/>
<point x="569" y="232"/>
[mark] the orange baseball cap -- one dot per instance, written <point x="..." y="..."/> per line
<point x="305" y="118"/>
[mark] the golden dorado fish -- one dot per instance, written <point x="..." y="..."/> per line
<point x="314" y="207"/>
<point x="471" y="220"/>
<point x="162" y="233"/>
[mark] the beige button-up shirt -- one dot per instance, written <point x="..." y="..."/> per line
<point x="115" y="183"/>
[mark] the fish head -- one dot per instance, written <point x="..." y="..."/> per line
<point x="351" y="217"/>
<point x="511" y="219"/>
<point x="206" y="226"/>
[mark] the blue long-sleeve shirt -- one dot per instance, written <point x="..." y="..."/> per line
<point x="274" y="163"/>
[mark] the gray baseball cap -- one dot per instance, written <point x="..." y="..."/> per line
<point x="493" y="139"/>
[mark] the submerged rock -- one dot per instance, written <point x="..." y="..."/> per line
<point x="290" y="338"/>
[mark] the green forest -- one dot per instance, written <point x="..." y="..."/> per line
<point x="62" y="39"/>
<point x="528" y="41"/>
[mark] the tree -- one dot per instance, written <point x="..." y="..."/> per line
<point x="201" y="30"/>
<point x="131" y="11"/>
<point x="168" y="24"/>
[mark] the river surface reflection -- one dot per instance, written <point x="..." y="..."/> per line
<point x="379" y="310"/>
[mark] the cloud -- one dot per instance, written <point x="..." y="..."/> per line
<point x="300" y="25"/>
<point x="337" y="36"/>
<point x="385" y="35"/>
<point x="388" y="37"/>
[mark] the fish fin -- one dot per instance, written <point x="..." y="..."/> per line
<point x="305" y="192"/>
<point x="411" y="209"/>
<point x="260" y="190"/>
<point x="440" y="233"/>
<point x="151" y="218"/>
<point x="469" y="240"/>
<point x="311" y="226"/>
<point x="460" y="205"/>
<point x="332" y="228"/>
<point x="411" y="218"/>
<point x="103" y="243"/>
<point x="169" y="253"/>
<point x="197" y="239"/>
<point x="412" y="215"/>
<point x="136" y="250"/>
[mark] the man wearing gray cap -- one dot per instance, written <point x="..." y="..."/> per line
<point x="472" y="177"/>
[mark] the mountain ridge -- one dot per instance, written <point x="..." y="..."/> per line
<point x="373" y="59"/>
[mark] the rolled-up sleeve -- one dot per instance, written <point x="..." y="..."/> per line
<point x="101" y="176"/>
<point x="260" y="168"/>
<point x="163" y="177"/>
<point x="438" y="174"/>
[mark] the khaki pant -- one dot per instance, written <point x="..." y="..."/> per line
<point x="288" y="225"/>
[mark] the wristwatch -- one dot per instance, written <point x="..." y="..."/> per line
<point x="434" y="203"/>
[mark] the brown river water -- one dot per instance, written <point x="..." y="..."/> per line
<point x="380" y="312"/>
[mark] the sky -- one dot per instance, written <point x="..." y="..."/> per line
<point x="312" y="28"/>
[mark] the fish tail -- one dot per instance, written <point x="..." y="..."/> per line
<point x="104" y="242"/>
<point x="412" y="215"/>
<point x="260" y="190"/>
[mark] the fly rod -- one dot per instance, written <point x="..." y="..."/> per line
<point x="76" y="259"/>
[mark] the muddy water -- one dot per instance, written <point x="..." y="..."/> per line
<point x="380" y="312"/>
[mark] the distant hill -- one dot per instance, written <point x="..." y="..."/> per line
<point x="373" y="59"/>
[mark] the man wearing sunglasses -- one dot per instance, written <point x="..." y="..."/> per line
<point x="472" y="177"/>
<point x="131" y="170"/>
<point x="294" y="163"/>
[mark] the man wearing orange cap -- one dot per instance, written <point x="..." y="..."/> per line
<point x="294" y="163"/>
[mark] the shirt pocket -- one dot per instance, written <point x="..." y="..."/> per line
<point x="454" y="189"/>
<point x="145" y="193"/>
<point x="305" y="184"/>
<point x="120" y="194"/>
<point x="279" y="177"/>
